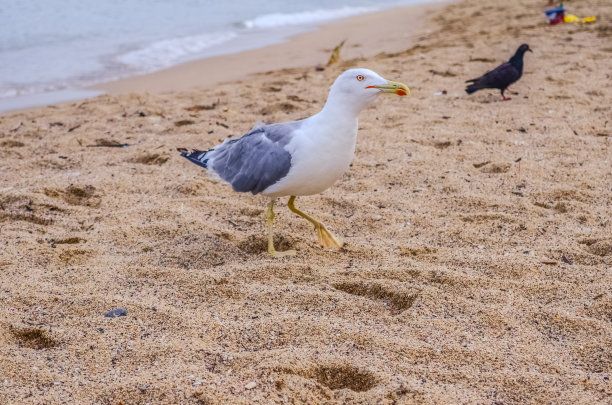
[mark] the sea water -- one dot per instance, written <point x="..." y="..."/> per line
<point x="49" y="49"/>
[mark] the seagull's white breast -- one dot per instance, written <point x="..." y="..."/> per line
<point x="321" y="152"/>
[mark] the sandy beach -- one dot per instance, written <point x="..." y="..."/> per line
<point x="478" y="260"/>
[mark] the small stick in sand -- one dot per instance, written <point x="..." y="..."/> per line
<point x="335" y="55"/>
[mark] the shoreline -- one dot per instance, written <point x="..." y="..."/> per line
<point x="309" y="48"/>
<point x="385" y="34"/>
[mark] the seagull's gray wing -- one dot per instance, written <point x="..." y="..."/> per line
<point x="257" y="160"/>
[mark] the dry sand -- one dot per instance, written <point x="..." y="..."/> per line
<point x="478" y="261"/>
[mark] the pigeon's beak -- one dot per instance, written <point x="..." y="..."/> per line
<point x="392" y="87"/>
<point x="529" y="49"/>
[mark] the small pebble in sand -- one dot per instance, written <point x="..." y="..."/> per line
<point x="250" y="385"/>
<point x="116" y="312"/>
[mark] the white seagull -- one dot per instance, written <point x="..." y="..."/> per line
<point x="299" y="158"/>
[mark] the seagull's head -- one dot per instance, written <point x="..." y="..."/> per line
<point x="363" y="86"/>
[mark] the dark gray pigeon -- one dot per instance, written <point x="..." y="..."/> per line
<point x="502" y="76"/>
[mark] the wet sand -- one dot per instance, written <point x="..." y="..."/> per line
<point x="478" y="257"/>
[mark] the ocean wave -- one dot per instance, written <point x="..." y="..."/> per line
<point x="20" y="90"/>
<point x="304" y="17"/>
<point x="168" y="52"/>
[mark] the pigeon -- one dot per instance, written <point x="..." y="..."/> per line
<point x="502" y="76"/>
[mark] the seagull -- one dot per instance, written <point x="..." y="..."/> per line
<point x="502" y="76"/>
<point x="298" y="158"/>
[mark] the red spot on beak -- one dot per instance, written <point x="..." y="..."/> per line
<point x="370" y="87"/>
<point x="401" y="92"/>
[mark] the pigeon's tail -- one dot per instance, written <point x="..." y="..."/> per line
<point x="195" y="156"/>
<point x="471" y="89"/>
<point x="475" y="86"/>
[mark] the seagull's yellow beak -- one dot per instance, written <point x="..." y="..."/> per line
<point x="392" y="87"/>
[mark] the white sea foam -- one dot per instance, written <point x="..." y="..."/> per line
<point x="304" y="17"/>
<point x="168" y="52"/>
<point x="19" y="90"/>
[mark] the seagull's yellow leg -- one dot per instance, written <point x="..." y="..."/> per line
<point x="325" y="237"/>
<point x="270" y="222"/>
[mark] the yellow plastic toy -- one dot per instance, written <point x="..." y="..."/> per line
<point x="570" y="18"/>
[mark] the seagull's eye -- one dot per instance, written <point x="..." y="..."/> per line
<point x="360" y="77"/>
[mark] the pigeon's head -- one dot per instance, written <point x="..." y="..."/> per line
<point x="362" y="86"/>
<point x="523" y="48"/>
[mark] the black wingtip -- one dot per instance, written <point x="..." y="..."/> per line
<point x="195" y="156"/>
